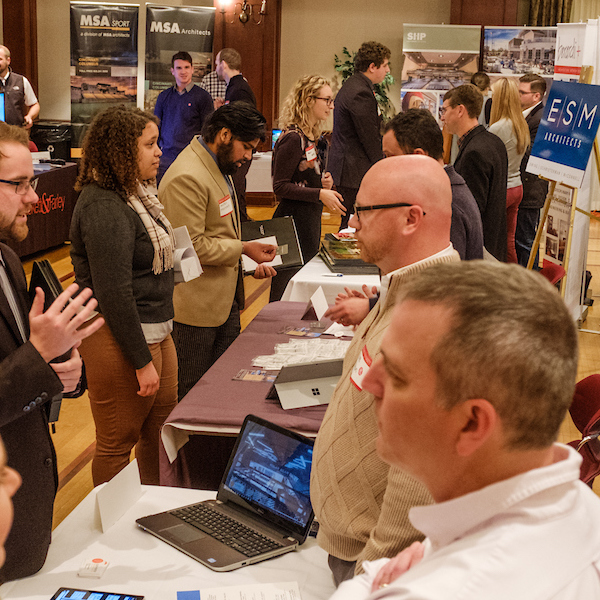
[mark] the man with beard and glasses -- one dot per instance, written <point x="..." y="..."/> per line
<point x="197" y="191"/>
<point x="29" y="340"/>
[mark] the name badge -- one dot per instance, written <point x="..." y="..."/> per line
<point x="361" y="368"/>
<point x="225" y="206"/>
<point x="311" y="153"/>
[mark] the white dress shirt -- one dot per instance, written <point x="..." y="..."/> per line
<point x="535" y="536"/>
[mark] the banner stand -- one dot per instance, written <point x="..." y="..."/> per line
<point x="585" y="77"/>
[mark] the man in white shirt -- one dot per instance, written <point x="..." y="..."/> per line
<point x="20" y="103"/>
<point x="475" y="374"/>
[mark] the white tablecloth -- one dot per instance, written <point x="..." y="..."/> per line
<point x="259" y="177"/>
<point x="142" y="564"/>
<point x="315" y="273"/>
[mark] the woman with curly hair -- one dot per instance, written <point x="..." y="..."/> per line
<point x="508" y="123"/>
<point x="122" y="248"/>
<point x="298" y="181"/>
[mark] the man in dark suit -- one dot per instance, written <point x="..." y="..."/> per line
<point x="531" y="89"/>
<point x="356" y="139"/>
<point x="482" y="162"/>
<point x="228" y="65"/>
<point x="29" y="340"/>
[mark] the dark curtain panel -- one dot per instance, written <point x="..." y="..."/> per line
<point x="547" y="13"/>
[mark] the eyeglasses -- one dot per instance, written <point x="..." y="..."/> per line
<point x="329" y="101"/>
<point x="22" y="187"/>
<point x="525" y="93"/>
<point x="359" y="209"/>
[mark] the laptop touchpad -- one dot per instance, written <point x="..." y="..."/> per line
<point x="183" y="533"/>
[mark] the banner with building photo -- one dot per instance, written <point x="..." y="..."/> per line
<point x="514" y="51"/>
<point x="171" y="29"/>
<point x="437" y="58"/>
<point x="104" y="60"/>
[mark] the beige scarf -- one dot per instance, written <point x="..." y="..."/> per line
<point x="145" y="203"/>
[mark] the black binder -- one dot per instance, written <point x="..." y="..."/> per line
<point x="284" y="229"/>
<point x="43" y="276"/>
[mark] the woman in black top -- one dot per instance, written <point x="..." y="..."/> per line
<point x="299" y="182"/>
<point x="122" y="248"/>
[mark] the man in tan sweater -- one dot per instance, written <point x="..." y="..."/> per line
<point x="402" y="221"/>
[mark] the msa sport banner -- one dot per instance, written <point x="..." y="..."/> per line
<point x="104" y="60"/>
<point x="171" y="29"/>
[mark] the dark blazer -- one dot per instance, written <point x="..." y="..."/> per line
<point x="534" y="188"/>
<point x="483" y="164"/>
<point x="26" y="383"/>
<point x="356" y="139"/>
<point x="239" y="90"/>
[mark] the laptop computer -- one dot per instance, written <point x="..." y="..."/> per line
<point x="262" y="508"/>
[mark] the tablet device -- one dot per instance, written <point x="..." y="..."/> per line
<point x="73" y="594"/>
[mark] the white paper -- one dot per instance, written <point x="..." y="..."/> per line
<point x="186" y="263"/>
<point x="250" y="265"/>
<point x="118" y="495"/>
<point x="319" y="303"/>
<point x="255" y="591"/>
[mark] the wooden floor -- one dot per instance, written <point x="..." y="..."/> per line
<point x="74" y="437"/>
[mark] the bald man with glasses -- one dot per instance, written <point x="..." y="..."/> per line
<point x="402" y="219"/>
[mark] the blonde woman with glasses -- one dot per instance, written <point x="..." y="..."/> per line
<point x="299" y="182"/>
<point x="508" y="123"/>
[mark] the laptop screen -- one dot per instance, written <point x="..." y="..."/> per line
<point x="2" y="111"/>
<point x="270" y="470"/>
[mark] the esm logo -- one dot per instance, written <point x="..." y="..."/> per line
<point x="164" y="27"/>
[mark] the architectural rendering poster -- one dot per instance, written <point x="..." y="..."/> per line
<point x="104" y="59"/>
<point x="565" y="137"/>
<point x="170" y="29"/>
<point x="436" y="59"/>
<point x="557" y="224"/>
<point x="514" y="51"/>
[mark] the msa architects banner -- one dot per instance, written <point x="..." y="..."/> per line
<point x="566" y="134"/>
<point x="170" y="29"/>
<point x="104" y="59"/>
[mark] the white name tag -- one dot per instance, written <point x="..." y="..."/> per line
<point x="361" y="368"/>
<point x="311" y="153"/>
<point x="225" y="206"/>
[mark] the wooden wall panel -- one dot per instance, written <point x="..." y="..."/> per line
<point x="478" y="12"/>
<point x="259" y="46"/>
<point x="19" y="30"/>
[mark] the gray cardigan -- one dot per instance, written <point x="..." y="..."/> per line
<point x="112" y="254"/>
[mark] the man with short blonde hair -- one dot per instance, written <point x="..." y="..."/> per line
<point x="475" y="375"/>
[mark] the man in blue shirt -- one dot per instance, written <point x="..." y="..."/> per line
<point x="182" y="110"/>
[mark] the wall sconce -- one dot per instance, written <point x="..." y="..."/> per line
<point x="244" y="11"/>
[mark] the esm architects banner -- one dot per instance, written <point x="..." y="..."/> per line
<point x="171" y="29"/>
<point x="104" y="60"/>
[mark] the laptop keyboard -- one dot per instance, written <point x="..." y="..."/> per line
<point x="228" y="531"/>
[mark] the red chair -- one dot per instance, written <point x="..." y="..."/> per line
<point x="32" y="146"/>
<point x="585" y="412"/>
<point x="552" y="272"/>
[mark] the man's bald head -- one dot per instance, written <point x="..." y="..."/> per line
<point x="400" y="236"/>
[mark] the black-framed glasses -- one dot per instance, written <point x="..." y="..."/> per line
<point x="359" y="209"/>
<point x="22" y="187"/>
<point x="329" y="101"/>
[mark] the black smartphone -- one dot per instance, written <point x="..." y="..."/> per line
<point x="73" y="594"/>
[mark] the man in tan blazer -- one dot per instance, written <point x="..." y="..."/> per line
<point x="197" y="191"/>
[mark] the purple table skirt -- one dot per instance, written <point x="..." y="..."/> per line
<point x="217" y="400"/>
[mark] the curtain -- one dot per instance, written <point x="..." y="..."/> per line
<point x="583" y="10"/>
<point x="547" y="13"/>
